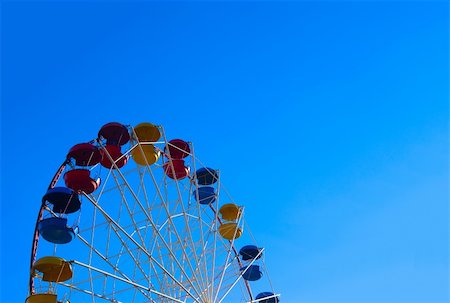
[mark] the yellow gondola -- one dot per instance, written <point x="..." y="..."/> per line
<point x="147" y="132"/>
<point x="54" y="269"/>
<point x="41" y="298"/>
<point x="147" y="155"/>
<point x="230" y="212"/>
<point x="230" y="231"/>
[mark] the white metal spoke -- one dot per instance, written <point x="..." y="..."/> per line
<point x="112" y="265"/>
<point x="126" y="281"/>
<point x="164" y="203"/>
<point x="139" y="246"/>
<point x="240" y="276"/>
<point x="241" y="214"/>
<point x="150" y="219"/>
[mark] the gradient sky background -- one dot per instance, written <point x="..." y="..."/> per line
<point x="328" y="120"/>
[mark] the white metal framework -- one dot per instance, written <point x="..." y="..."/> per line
<point x="143" y="237"/>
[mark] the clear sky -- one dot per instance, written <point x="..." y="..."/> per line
<point x="328" y="120"/>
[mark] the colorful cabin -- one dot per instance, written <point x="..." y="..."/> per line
<point x="230" y="231"/>
<point x="175" y="169"/>
<point x="85" y="154"/>
<point x="63" y="199"/>
<point x="54" y="269"/>
<point x="250" y="252"/>
<point x="147" y="132"/>
<point x="115" y="153"/>
<point x="251" y="273"/>
<point x="178" y="149"/>
<point x="42" y="298"/>
<point x="114" y="133"/>
<point x="267" y="297"/>
<point x="55" y="230"/>
<point x="206" y="176"/>
<point x="206" y="195"/>
<point x="230" y="212"/>
<point x="80" y="181"/>
<point x="145" y="155"/>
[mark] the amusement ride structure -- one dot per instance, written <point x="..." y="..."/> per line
<point x="132" y="217"/>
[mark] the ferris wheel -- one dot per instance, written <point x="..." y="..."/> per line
<point x="133" y="217"/>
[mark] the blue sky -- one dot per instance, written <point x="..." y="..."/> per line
<point x="329" y="120"/>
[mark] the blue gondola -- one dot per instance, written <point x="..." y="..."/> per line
<point x="64" y="200"/>
<point x="249" y="252"/>
<point x="206" y="176"/>
<point x="55" y="230"/>
<point x="206" y="195"/>
<point x="252" y="273"/>
<point x="271" y="298"/>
